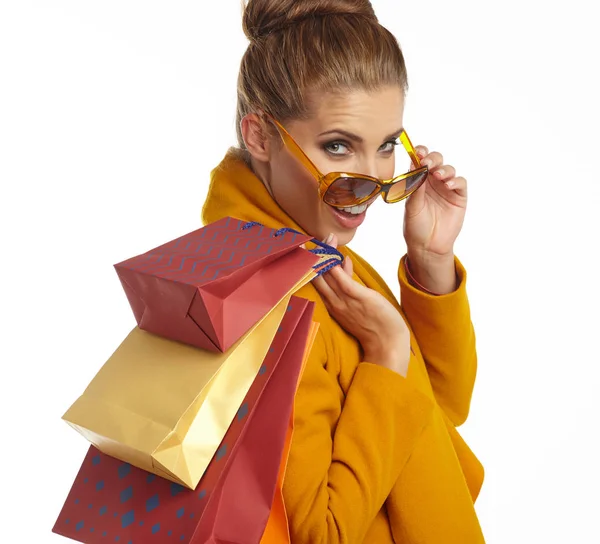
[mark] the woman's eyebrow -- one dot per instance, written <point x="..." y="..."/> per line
<point x="395" y="134"/>
<point x="356" y="138"/>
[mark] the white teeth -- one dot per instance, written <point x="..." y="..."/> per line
<point x="356" y="210"/>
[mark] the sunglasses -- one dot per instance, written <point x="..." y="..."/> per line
<point x="345" y="189"/>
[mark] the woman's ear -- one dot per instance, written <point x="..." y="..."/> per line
<point x="256" y="137"/>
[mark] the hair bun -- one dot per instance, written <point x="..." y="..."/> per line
<point x="261" y="17"/>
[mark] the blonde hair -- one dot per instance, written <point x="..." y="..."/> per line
<point x="301" y="46"/>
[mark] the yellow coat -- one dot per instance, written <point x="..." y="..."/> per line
<point x="375" y="457"/>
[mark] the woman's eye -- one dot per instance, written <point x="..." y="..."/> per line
<point x="388" y="147"/>
<point x="337" y="148"/>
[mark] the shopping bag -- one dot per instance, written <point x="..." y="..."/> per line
<point x="113" y="501"/>
<point x="140" y="410"/>
<point x="241" y="488"/>
<point x="209" y="287"/>
<point x="277" y="530"/>
<point x="164" y="406"/>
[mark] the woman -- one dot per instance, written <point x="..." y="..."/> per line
<point x="376" y="456"/>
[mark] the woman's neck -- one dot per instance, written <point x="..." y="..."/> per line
<point x="262" y="171"/>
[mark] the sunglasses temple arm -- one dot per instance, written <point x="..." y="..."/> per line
<point x="415" y="159"/>
<point x="296" y="150"/>
<point x="299" y="153"/>
<point x="410" y="150"/>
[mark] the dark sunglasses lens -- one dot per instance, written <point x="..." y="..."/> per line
<point x="405" y="187"/>
<point x="350" y="191"/>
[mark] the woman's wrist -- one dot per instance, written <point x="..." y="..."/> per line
<point x="390" y="356"/>
<point x="434" y="274"/>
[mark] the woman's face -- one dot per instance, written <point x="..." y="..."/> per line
<point x="352" y="132"/>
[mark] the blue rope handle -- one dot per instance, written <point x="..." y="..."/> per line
<point x="323" y="249"/>
<point x="329" y="265"/>
<point x="251" y="224"/>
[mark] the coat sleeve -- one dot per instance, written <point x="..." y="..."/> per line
<point x="347" y="452"/>
<point x="430" y="501"/>
<point x="445" y="335"/>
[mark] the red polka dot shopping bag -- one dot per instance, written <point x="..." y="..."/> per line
<point x="239" y="494"/>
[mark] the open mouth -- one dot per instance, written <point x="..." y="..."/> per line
<point x="350" y="218"/>
<point x="354" y="210"/>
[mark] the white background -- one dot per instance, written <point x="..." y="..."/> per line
<point x="112" y="115"/>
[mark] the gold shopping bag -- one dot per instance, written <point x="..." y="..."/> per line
<point x="164" y="406"/>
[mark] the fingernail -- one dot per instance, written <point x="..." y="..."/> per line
<point x="440" y="173"/>
<point x="427" y="163"/>
<point x="450" y="184"/>
<point x="329" y="238"/>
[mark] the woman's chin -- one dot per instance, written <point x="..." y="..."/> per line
<point x="344" y="236"/>
<point x="345" y="239"/>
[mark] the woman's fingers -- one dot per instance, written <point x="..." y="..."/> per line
<point x="421" y="150"/>
<point x="331" y="284"/>
<point x="348" y="266"/>
<point x="433" y="160"/>
<point x="324" y="289"/>
<point x="344" y="285"/>
<point x="458" y="184"/>
<point x="444" y="172"/>
<point x="338" y="284"/>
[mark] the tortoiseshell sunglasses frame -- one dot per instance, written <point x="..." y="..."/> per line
<point x="327" y="180"/>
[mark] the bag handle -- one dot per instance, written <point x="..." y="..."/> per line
<point x="323" y="249"/>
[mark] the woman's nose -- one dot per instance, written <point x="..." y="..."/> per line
<point x="378" y="166"/>
<point x="369" y="168"/>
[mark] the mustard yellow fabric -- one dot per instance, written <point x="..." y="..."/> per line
<point x="375" y="457"/>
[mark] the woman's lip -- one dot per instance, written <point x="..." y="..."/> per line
<point x="347" y="221"/>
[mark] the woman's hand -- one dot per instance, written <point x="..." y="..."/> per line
<point x="367" y="315"/>
<point x="433" y="219"/>
<point x="435" y="213"/>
